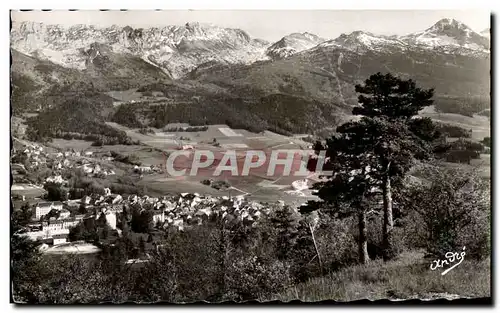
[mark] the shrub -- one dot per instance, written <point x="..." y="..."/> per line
<point x="453" y="210"/>
<point x="127" y="159"/>
<point x="206" y="182"/>
<point x="220" y="185"/>
<point x="55" y="192"/>
<point x="250" y="277"/>
<point x="337" y="242"/>
<point x="486" y="141"/>
<point x="453" y="131"/>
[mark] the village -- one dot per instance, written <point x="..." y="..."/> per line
<point x="52" y="221"/>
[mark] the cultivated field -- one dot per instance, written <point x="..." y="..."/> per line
<point x="218" y="139"/>
<point x="480" y="125"/>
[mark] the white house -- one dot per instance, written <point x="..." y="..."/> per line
<point x="64" y="214"/>
<point x="86" y="200"/>
<point x="87" y="169"/>
<point x="43" y="208"/>
<point x="56" y="179"/>
<point x="117" y="199"/>
<point x="59" y="239"/>
<point x="79" y="217"/>
<point x="159" y="216"/>
<point x="142" y="169"/>
<point x="60" y="226"/>
<point x="110" y="219"/>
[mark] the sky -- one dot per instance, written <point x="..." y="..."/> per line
<point x="271" y="25"/>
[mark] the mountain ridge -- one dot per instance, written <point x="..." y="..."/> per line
<point x="214" y="75"/>
<point x="179" y="50"/>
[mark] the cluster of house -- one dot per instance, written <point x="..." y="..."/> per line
<point x="147" y="169"/>
<point x="54" y="230"/>
<point x="35" y="155"/>
<point x="177" y="211"/>
<point x="67" y="159"/>
<point x="57" y="179"/>
<point x="74" y="153"/>
<point x="95" y="169"/>
<point x="187" y="209"/>
<point x="89" y="168"/>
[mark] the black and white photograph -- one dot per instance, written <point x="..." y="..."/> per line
<point x="250" y="156"/>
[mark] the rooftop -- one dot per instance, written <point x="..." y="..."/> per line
<point x="47" y="204"/>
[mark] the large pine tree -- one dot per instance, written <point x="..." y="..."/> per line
<point x="379" y="148"/>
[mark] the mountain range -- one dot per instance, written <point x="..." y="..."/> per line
<point x="243" y="76"/>
<point x="180" y="49"/>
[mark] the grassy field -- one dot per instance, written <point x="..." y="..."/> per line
<point x="77" y="145"/>
<point x="482" y="165"/>
<point x="480" y="125"/>
<point x="407" y="277"/>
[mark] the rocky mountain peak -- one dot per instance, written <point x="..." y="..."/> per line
<point x="486" y="33"/>
<point x="451" y="36"/>
<point x="292" y="44"/>
<point x="452" y="28"/>
<point x="361" y="41"/>
<point x="177" y="48"/>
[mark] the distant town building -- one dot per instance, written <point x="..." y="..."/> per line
<point x="110" y="218"/>
<point x="43" y="208"/>
<point x="64" y="214"/>
<point x="158" y="216"/>
<point x="59" y="239"/>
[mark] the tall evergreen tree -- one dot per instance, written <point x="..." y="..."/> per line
<point x="385" y="140"/>
<point x="389" y="105"/>
<point x="351" y="185"/>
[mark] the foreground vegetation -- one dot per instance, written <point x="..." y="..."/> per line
<point x="285" y="256"/>
<point x="406" y="277"/>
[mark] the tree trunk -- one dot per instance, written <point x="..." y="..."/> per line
<point x="388" y="221"/>
<point x="222" y="261"/>
<point x="316" y="248"/>
<point x="363" y="242"/>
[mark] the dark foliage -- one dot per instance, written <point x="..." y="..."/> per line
<point x="55" y="192"/>
<point x="77" y="116"/>
<point x="391" y="97"/>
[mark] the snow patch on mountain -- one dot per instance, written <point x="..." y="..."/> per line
<point x="292" y="44"/>
<point x="449" y="36"/>
<point x="359" y="41"/>
<point x="486" y="33"/>
<point x="179" y="49"/>
<point x="446" y="36"/>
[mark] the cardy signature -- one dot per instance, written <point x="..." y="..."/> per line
<point x="451" y="258"/>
